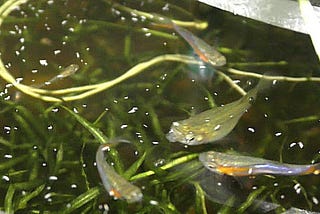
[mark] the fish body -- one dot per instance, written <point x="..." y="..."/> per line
<point x="213" y="124"/>
<point x="238" y="165"/>
<point x="66" y="72"/>
<point x="116" y="185"/>
<point x="205" y="52"/>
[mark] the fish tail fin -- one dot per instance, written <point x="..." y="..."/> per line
<point x="316" y="170"/>
<point x="262" y="85"/>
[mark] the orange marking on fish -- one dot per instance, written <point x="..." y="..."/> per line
<point x="115" y="193"/>
<point x="201" y="55"/>
<point x="238" y="171"/>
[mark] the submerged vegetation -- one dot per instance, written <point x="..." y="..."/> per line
<point x="51" y="132"/>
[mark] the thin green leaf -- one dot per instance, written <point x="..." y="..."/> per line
<point x="134" y="167"/>
<point x="250" y="199"/>
<point x="200" y="199"/>
<point x="13" y="161"/>
<point x="8" y="201"/>
<point x="22" y="203"/>
<point x="82" y="199"/>
<point x="94" y="131"/>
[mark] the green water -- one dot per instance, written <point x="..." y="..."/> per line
<point x="47" y="157"/>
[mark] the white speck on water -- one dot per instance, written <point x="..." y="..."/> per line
<point x="277" y="134"/>
<point x="145" y="125"/>
<point x="5" y="178"/>
<point x="315" y="200"/>
<point x="21" y="40"/>
<point x="8" y="156"/>
<point x="43" y="62"/>
<point x="44" y="164"/>
<point x="53" y="178"/>
<point x="166" y="7"/>
<point x="134" y="19"/>
<point x="133" y="110"/>
<point x="74" y="186"/>
<point x="19" y="79"/>
<point x="148" y="34"/>
<point x="254" y="187"/>
<point x="219" y="184"/>
<point x="64" y="22"/>
<point x="78" y="55"/>
<point x="153" y="202"/>
<point x="297" y="187"/>
<point x="50" y="127"/>
<point x="274" y="82"/>
<point x="17" y="53"/>
<point x="7" y="128"/>
<point x="155" y="142"/>
<point x="250" y="129"/>
<point x="300" y="144"/>
<point x="123" y="126"/>
<point x="34" y="71"/>
<point x="75" y="110"/>
<point x="266" y="98"/>
<point x="206" y="98"/>
<point x="8" y="65"/>
<point x="276" y="184"/>
<point x="56" y="52"/>
<point x="47" y="196"/>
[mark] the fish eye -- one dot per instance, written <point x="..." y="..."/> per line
<point x="190" y="138"/>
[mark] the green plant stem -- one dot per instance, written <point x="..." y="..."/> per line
<point x="173" y="163"/>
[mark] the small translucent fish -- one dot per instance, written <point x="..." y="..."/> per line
<point x="66" y="72"/>
<point x="237" y="165"/>
<point x="116" y="186"/>
<point x="215" y="123"/>
<point x="205" y="52"/>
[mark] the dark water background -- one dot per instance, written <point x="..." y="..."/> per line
<point x="40" y="139"/>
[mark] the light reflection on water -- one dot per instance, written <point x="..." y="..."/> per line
<point x="46" y="146"/>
